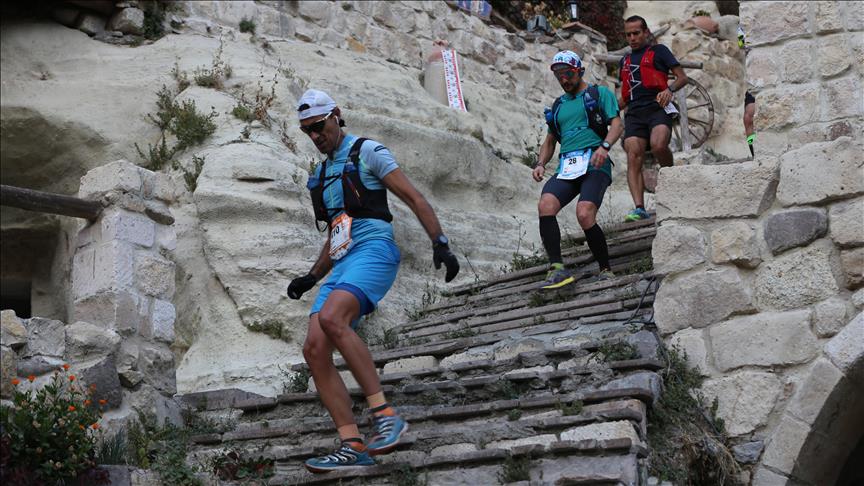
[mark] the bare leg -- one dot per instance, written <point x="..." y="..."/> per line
<point x="635" y="148"/>
<point x="749" y="113"/>
<point x="318" y="351"/>
<point x="660" y="136"/>
<point x="335" y="317"/>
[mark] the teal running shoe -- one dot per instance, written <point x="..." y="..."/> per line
<point x="605" y="274"/>
<point x="386" y="432"/>
<point x="636" y="215"/>
<point x="557" y="277"/>
<point x="345" y="458"/>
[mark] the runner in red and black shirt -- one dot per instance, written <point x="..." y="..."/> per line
<point x="645" y="93"/>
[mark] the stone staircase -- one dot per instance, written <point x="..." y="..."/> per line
<point x="499" y="381"/>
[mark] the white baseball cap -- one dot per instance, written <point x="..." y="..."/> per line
<point x="314" y="103"/>
<point x="569" y="58"/>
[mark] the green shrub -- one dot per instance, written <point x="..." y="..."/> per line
<point x="297" y="382"/>
<point x="190" y="126"/>
<point x="243" y="112"/>
<point x="190" y="178"/>
<point x="157" y="156"/>
<point x="49" y="435"/>
<point x="112" y="450"/>
<point x="247" y="25"/>
<point x="515" y="469"/>
<point x="233" y="466"/>
<point x="162" y="447"/>
<point x="154" y="18"/>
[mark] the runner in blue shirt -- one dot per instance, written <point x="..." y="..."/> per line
<point x="349" y="194"/>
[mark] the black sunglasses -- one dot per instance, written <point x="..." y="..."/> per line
<point x="316" y="127"/>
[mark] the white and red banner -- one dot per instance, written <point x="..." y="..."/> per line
<point x="451" y="79"/>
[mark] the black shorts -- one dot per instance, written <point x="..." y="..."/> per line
<point x="640" y="122"/>
<point x="590" y="187"/>
<point x="748" y="98"/>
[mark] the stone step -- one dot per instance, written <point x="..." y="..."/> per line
<point x="642" y="385"/>
<point x="614" y="252"/>
<point x="579" y="246"/>
<point x="559" y="462"/>
<point x="427" y="436"/>
<point x="491" y="304"/>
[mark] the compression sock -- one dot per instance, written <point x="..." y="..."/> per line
<point x="750" y="139"/>
<point x="384" y="409"/>
<point x="638" y="206"/>
<point x="597" y="244"/>
<point x="551" y="236"/>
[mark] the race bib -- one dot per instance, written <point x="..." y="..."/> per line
<point x="574" y="164"/>
<point x="340" y="236"/>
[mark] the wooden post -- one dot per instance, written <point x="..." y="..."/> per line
<point x="683" y="122"/>
<point x="46" y="202"/>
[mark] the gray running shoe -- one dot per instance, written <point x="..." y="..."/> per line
<point x="557" y="277"/>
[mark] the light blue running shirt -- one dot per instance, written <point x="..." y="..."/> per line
<point x="375" y="163"/>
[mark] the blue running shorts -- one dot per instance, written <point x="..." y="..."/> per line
<point x="367" y="271"/>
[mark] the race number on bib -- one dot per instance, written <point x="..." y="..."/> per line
<point x="574" y="164"/>
<point x="340" y="236"/>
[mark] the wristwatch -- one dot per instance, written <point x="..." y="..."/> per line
<point x="441" y="240"/>
<point x="605" y="145"/>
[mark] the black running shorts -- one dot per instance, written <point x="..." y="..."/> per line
<point x="640" y="122"/>
<point x="590" y="187"/>
<point x="748" y="98"/>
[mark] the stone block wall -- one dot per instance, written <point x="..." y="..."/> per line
<point x="122" y="315"/>
<point x="762" y="260"/>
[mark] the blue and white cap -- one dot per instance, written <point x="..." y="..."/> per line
<point x="569" y="58"/>
<point x="314" y="103"/>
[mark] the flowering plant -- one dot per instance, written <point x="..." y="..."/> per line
<point x="49" y="435"/>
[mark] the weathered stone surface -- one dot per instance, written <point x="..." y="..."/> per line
<point x="692" y="191"/>
<point x="645" y="343"/>
<point x="154" y="275"/>
<point x="692" y="343"/>
<point x="796" y="57"/>
<point x="790" y="20"/>
<point x="745" y="399"/>
<point x="411" y="364"/>
<point x="65" y="16"/>
<point x="8" y="370"/>
<point x="620" y="429"/>
<point x="453" y="449"/>
<point x="818" y="172"/>
<point x="466" y="357"/>
<point x="543" y="440"/>
<point x="12" y="332"/>
<point x="119" y="175"/>
<point x="794" y="227"/>
<point x="157" y="364"/>
<point x="833" y="55"/>
<point x="785" y="444"/>
<point x="130" y="378"/>
<point x="766" y="477"/>
<point x="45" y="336"/>
<point x="833" y="98"/>
<point x="511" y="349"/>
<point x="813" y="393"/>
<point x="105" y="267"/>
<point x="735" y="243"/>
<point x="129" y="21"/>
<point x="829" y="316"/>
<point x="787" y="106"/>
<point x="854" y="16"/>
<point x="762" y="69"/>
<point x="347" y="378"/>
<point x="796" y="279"/>
<point x="766" y="339"/>
<point x="160" y="326"/>
<point x="647" y="380"/>
<point x="91" y="24"/>
<point x="846" y="220"/>
<point x="748" y="452"/>
<point x="123" y="311"/>
<point x="38" y="365"/>
<point x="119" y="224"/>
<point x="84" y="340"/>
<point x="677" y="248"/>
<point x="845" y="349"/>
<point x="828" y="18"/>
<point x="852" y="262"/>
<point x="700" y="299"/>
<point x="858" y="299"/>
<point x="103" y="374"/>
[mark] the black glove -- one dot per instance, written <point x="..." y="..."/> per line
<point x="441" y="253"/>
<point x="300" y="285"/>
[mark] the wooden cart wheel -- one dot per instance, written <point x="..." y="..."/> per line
<point x="699" y="115"/>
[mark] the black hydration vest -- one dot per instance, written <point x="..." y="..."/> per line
<point x="359" y="201"/>
<point x="593" y="111"/>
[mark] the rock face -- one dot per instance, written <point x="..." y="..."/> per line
<point x="745" y="399"/>
<point x="763" y="340"/>
<point x="700" y="299"/>
<point x="796" y="279"/>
